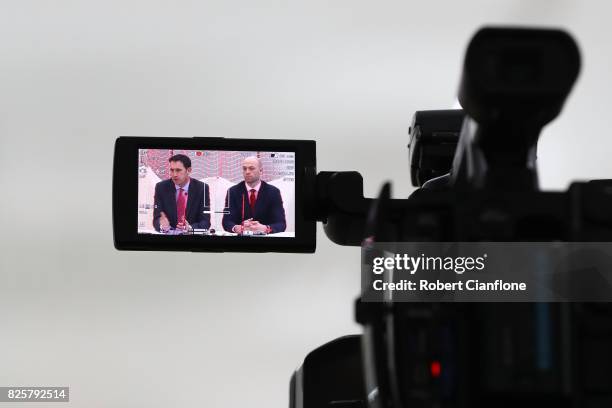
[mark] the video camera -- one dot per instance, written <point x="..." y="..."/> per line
<point x="478" y="182"/>
<point x="475" y="169"/>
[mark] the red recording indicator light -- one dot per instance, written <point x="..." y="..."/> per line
<point x="198" y="153"/>
<point x="435" y="368"/>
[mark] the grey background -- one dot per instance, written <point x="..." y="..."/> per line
<point x="191" y="330"/>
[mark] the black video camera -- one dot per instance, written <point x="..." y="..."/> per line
<point x="478" y="183"/>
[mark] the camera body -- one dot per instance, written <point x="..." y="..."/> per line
<point x="330" y="376"/>
<point x="483" y="354"/>
<point x="478" y="183"/>
<point x="487" y="354"/>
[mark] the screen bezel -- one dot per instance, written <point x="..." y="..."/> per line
<point x="125" y="197"/>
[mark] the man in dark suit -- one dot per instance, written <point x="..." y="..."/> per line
<point x="254" y="205"/>
<point x="180" y="201"/>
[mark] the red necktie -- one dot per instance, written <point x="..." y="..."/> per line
<point x="252" y="199"/>
<point x="181" y="204"/>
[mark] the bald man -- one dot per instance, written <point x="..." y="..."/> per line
<point x="254" y="205"/>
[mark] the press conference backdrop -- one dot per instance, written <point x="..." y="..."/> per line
<point x="147" y="329"/>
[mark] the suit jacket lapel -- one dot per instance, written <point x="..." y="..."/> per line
<point x="192" y="195"/>
<point x="260" y="197"/>
<point x="172" y="217"/>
